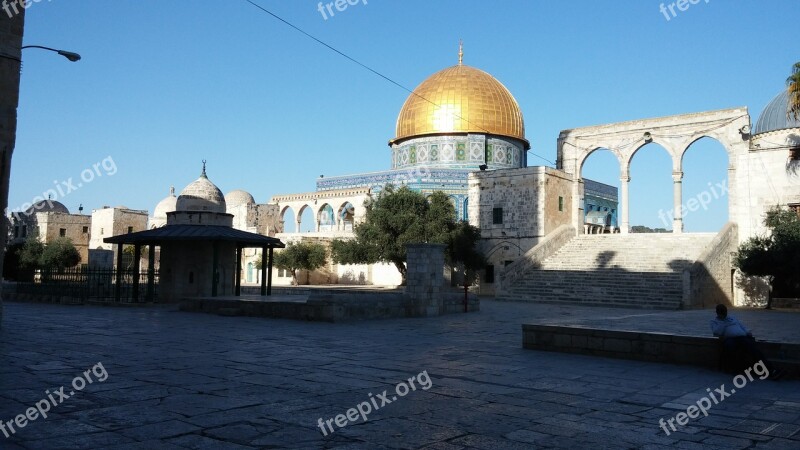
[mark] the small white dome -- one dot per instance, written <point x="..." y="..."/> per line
<point x="168" y="205"/>
<point x="201" y="195"/>
<point x="239" y="197"/>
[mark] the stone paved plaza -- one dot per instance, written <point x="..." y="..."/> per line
<point x="180" y="380"/>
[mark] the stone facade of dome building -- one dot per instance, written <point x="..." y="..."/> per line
<point x="48" y="220"/>
<point x="263" y="219"/>
<point x="113" y="221"/>
<point x="773" y="164"/>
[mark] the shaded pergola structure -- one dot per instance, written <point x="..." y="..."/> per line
<point x="216" y="235"/>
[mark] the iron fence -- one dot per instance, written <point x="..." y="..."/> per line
<point x="80" y="285"/>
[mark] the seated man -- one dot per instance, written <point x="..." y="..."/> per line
<point x="739" y="346"/>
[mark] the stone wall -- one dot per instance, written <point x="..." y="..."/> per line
<point x="708" y="281"/>
<point x="655" y="347"/>
<point x="108" y="222"/>
<point x="766" y="181"/>
<point x="11" y="30"/>
<point x="534" y="257"/>
<point x="425" y="279"/>
<point x="76" y="229"/>
<point x="529" y="199"/>
<point x="186" y="270"/>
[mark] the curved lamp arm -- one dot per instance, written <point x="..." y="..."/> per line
<point x="72" y="56"/>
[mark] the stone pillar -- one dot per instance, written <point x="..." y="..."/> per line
<point x="297" y="225"/>
<point x="624" y="181"/>
<point x="677" y="220"/>
<point x="425" y="279"/>
<point x="578" y="208"/>
<point x="11" y="28"/>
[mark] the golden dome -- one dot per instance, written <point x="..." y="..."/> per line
<point x="461" y="99"/>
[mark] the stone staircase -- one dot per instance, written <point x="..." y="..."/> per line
<point x="633" y="270"/>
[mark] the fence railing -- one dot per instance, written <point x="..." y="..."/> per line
<point x="89" y="285"/>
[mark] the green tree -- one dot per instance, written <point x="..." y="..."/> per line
<point x="30" y="255"/>
<point x="301" y="256"/>
<point x="776" y="255"/>
<point x="60" y="254"/>
<point x="395" y="218"/>
<point x="129" y="255"/>
<point x="11" y="265"/>
<point x="399" y="217"/>
<point x="462" y="251"/>
<point x="793" y="86"/>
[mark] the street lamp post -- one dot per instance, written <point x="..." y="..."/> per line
<point x="72" y="56"/>
<point x="11" y="32"/>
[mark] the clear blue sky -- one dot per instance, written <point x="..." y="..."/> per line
<point x="165" y="84"/>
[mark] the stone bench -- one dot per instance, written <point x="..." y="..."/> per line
<point x="645" y="346"/>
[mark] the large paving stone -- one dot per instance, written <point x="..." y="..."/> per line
<point x="180" y="380"/>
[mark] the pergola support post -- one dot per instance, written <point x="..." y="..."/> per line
<point x="264" y="263"/>
<point x="214" y="264"/>
<point x="118" y="287"/>
<point x="151" y="272"/>
<point x="238" y="289"/>
<point x="269" y="274"/>
<point x="137" y="256"/>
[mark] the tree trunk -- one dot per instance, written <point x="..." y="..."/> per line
<point x="294" y="278"/>
<point x="402" y="269"/>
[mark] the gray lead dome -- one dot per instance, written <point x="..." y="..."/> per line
<point x="774" y="117"/>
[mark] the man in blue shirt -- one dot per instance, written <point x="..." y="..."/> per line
<point x="736" y="336"/>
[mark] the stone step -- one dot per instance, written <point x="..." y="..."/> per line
<point x="639" y="270"/>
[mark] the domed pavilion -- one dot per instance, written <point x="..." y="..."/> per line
<point x="200" y="251"/>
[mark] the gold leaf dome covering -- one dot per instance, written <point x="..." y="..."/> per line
<point x="461" y="99"/>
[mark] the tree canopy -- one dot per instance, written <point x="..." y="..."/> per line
<point x="301" y="256"/>
<point x="30" y="255"/>
<point x="462" y="252"/>
<point x="398" y="217"/>
<point x="793" y="87"/>
<point x="776" y="255"/>
<point x="58" y="254"/>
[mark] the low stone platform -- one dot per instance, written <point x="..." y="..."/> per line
<point x="677" y="337"/>
<point x="326" y="306"/>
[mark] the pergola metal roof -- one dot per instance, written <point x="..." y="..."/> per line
<point x="196" y="233"/>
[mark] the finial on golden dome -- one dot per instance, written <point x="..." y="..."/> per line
<point x="460" y="52"/>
